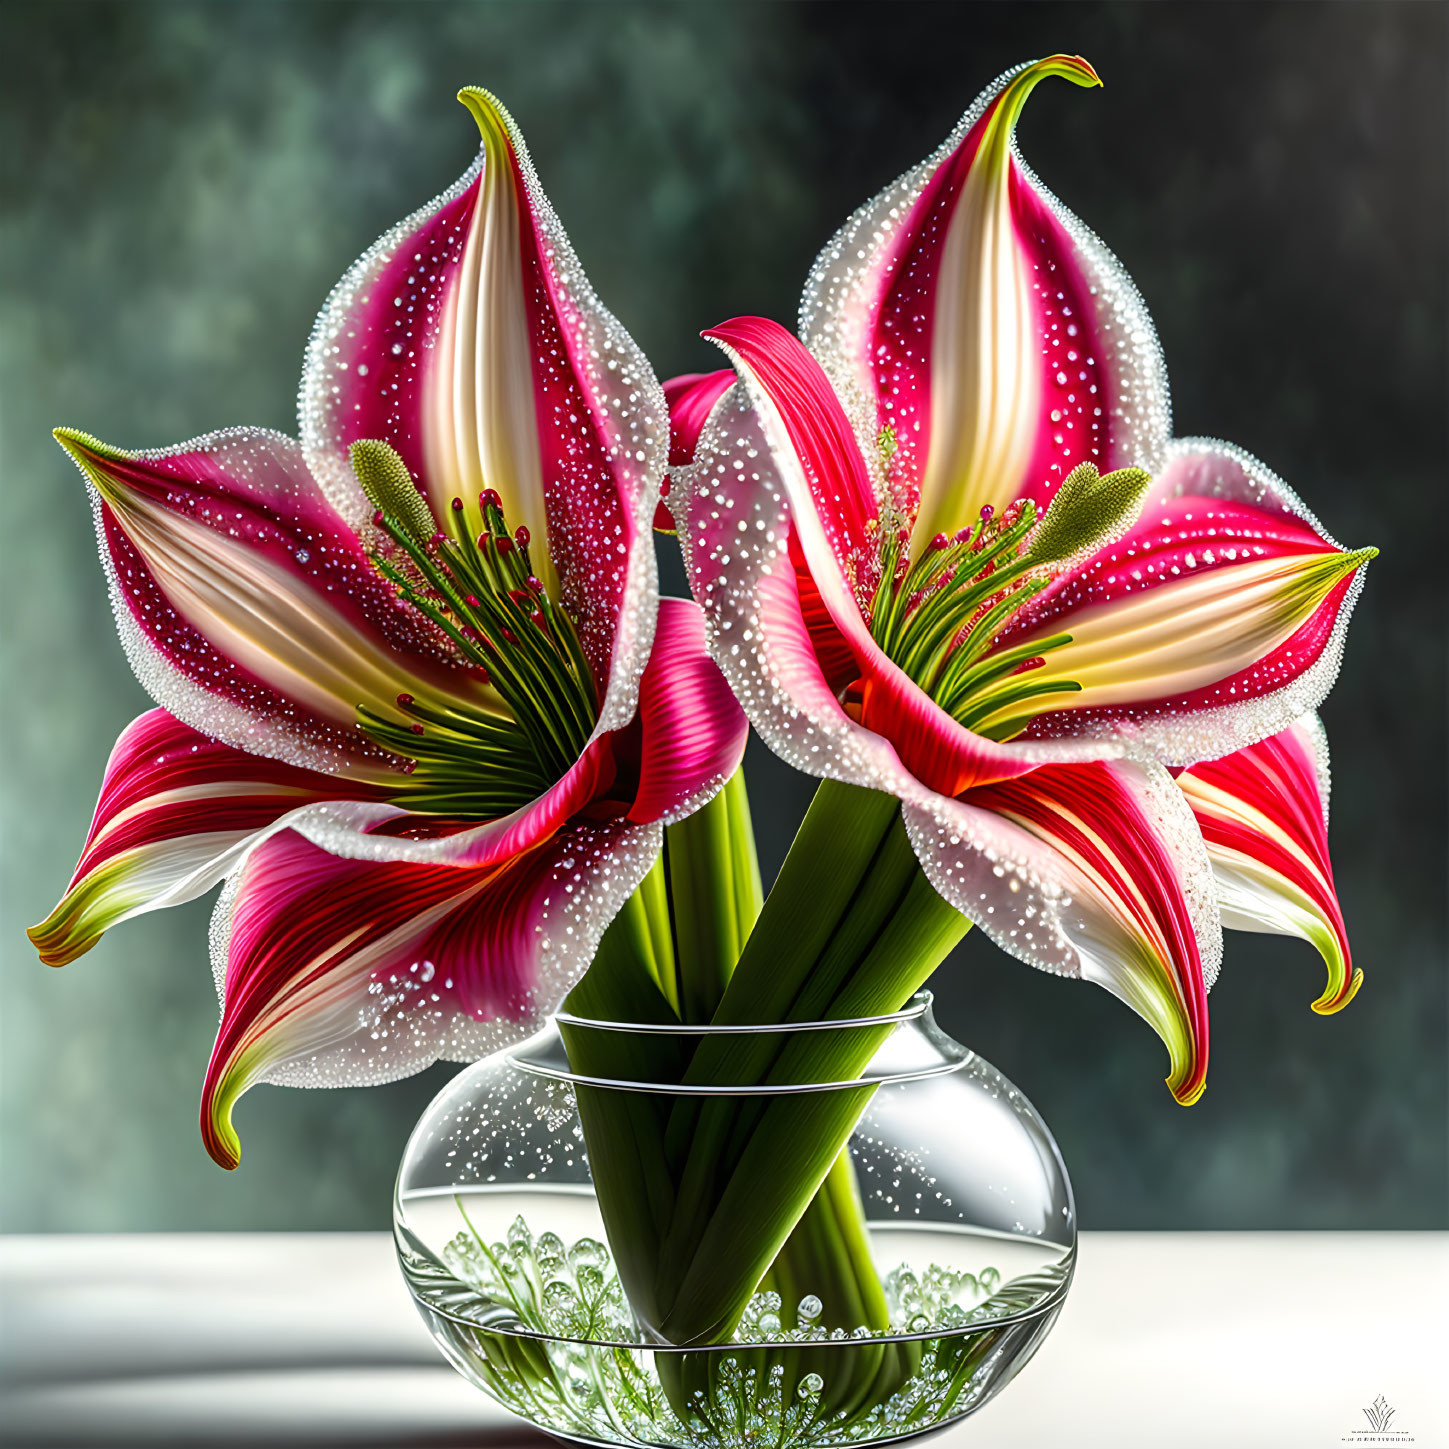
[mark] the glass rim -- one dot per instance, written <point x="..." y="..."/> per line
<point x="918" y="1006"/>
<point x="545" y="1054"/>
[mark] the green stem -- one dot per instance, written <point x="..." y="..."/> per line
<point x="715" y="896"/>
<point x="754" y="1163"/>
<point x="704" y="1196"/>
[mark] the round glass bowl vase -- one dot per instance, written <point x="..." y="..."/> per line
<point x="950" y="1195"/>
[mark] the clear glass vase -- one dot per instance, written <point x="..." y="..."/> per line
<point x="967" y="1211"/>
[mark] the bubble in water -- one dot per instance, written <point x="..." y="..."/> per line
<point x="588" y="1252"/>
<point x="810" y="1308"/>
<point x="810" y="1386"/>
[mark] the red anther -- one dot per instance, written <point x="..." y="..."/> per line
<point x="457" y="505"/>
<point x="417" y="729"/>
<point x="940" y="541"/>
<point x="1027" y="664"/>
<point x="377" y="517"/>
<point x="489" y="498"/>
<point x="409" y="766"/>
<point x="439" y="537"/>
<point x="519" y="598"/>
<point x="482" y="675"/>
<point x="467" y="631"/>
<point x="522" y="534"/>
<point x="903" y="535"/>
<point x="509" y="637"/>
<point x="472" y="601"/>
<point x="403" y="700"/>
<point x="963" y="535"/>
<point x="664" y="489"/>
<point x="536" y="584"/>
<point x="986" y="512"/>
<point x="537" y="617"/>
<point x="503" y="543"/>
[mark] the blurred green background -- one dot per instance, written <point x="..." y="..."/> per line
<point x="180" y="186"/>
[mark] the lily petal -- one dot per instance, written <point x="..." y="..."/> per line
<point x="814" y="447"/>
<point x="967" y="312"/>
<point x="693" y="730"/>
<point x="176" y="813"/>
<point x="469" y="339"/>
<point x="1263" y="812"/>
<point x="1215" y="622"/>
<point x="344" y="972"/>
<point x="247" y="606"/>
<point x="691" y="397"/>
<point x="1095" y="871"/>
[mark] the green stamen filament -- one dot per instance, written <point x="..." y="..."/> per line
<point x="938" y="616"/>
<point x="484" y="598"/>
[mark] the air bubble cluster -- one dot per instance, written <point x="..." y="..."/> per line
<point x="543" y="1327"/>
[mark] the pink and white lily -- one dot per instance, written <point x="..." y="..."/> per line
<point x="948" y="549"/>
<point x="420" y="702"/>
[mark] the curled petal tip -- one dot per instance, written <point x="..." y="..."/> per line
<point x="486" y="109"/>
<point x="732" y="329"/>
<point x="217" y="1132"/>
<point x="55" y="944"/>
<point x="1069" y="67"/>
<point x="1188" y="1064"/>
<point x="1074" y="68"/>
<point x="1014" y="95"/>
<point x="1334" y="1001"/>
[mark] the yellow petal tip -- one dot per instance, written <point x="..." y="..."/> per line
<point x="1074" y="68"/>
<point x="1331" y="1002"/>
<point x="74" y="441"/>
<point x="53" y="946"/>
<point x="84" y="447"/>
<point x="222" y="1143"/>
<point x="219" y="1096"/>
<point x="494" y="122"/>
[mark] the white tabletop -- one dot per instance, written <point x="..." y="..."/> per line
<point x="1168" y="1340"/>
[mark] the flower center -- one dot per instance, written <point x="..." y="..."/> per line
<point x="939" y="616"/>
<point x="465" y="759"/>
